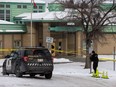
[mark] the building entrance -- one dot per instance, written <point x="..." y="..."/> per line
<point x="64" y="42"/>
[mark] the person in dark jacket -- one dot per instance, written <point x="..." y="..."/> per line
<point x="95" y="60"/>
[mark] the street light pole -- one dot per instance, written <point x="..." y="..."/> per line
<point x="31" y="42"/>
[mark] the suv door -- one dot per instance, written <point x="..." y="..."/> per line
<point x="8" y="64"/>
<point x="10" y="61"/>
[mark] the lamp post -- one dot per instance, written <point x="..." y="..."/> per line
<point x="31" y="42"/>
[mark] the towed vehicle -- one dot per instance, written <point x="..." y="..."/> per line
<point x="32" y="61"/>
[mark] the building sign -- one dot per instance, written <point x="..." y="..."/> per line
<point x="70" y="23"/>
<point x="49" y="39"/>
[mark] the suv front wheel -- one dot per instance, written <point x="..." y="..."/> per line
<point x="48" y="76"/>
<point x="4" y="71"/>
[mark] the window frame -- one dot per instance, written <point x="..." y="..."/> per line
<point x="17" y="43"/>
<point x="7" y="6"/>
<point x="18" y="6"/>
<point x="25" y="6"/>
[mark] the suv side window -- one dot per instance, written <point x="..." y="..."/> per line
<point x="21" y="53"/>
<point x="14" y="54"/>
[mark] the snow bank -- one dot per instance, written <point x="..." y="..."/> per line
<point x="61" y="60"/>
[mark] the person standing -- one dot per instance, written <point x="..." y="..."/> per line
<point x="95" y="60"/>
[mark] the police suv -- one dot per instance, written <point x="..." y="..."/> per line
<point x="32" y="61"/>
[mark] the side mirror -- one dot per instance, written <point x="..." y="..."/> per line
<point x="7" y="56"/>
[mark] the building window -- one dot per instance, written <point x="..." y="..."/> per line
<point x="17" y="43"/>
<point x="1" y="45"/>
<point x="1" y="14"/>
<point x="7" y="6"/>
<point x="7" y="18"/>
<point x="40" y="11"/>
<point x="25" y="6"/>
<point x="7" y="15"/>
<point x="20" y="22"/>
<point x="35" y="7"/>
<point x="35" y="11"/>
<point x="40" y="7"/>
<point x="1" y="11"/>
<point x="1" y="6"/>
<point x="18" y="6"/>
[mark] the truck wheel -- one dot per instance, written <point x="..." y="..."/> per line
<point x="17" y="71"/>
<point x="48" y="76"/>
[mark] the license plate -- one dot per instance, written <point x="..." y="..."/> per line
<point x="40" y="60"/>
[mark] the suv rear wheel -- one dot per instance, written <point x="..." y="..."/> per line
<point x="17" y="71"/>
<point x="48" y="76"/>
<point x="4" y="71"/>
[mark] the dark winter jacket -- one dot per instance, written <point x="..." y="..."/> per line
<point x="94" y="57"/>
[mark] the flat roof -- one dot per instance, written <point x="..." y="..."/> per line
<point x="43" y="16"/>
<point x="23" y="1"/>
<point x="5" y="22"/>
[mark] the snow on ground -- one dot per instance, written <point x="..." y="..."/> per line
<point x="77" y="68"/>
<point x="61" y="60"/>
<point x="70" y="68"/>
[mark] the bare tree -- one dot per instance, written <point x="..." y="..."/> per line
<point x="92" y="16"/>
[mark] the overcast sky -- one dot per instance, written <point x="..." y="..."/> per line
<point x="48" y="0"/>
<point x="54" y="0"/>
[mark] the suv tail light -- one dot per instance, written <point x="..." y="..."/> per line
<point x="25" y="58"/>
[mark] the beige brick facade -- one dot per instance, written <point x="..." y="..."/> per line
<point x="107" y="46"/>
<point x="70" y="41"/>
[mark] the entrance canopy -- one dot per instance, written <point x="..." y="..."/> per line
<point x="64" y="29"/>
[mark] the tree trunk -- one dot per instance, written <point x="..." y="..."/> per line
<point x="87" y="62"/>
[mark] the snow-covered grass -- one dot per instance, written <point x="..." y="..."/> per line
<point x="107" y="56"/>
<point x="77" y="68"/>
<point x="61" y="60"/>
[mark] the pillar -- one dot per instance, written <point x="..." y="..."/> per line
<point x="46" y="33"/>
<point x="79" y="48"/>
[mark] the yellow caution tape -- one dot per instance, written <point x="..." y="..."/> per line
<point x="7" y="49"/>
<point x="62" y="51"/>
<point x="107" y="59"/>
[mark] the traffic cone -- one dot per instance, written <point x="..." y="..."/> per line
<point x="106" y="76"/>
<point x="103" y="76"/>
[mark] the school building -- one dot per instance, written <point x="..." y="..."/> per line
<point x="22" y="28"/>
